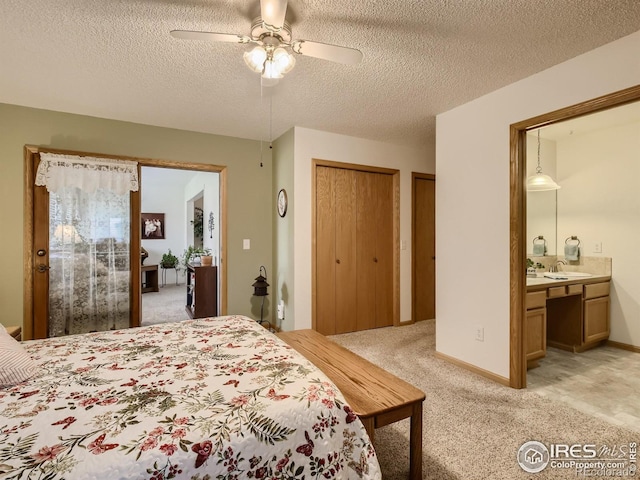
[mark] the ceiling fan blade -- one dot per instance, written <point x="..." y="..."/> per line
<point x="210" y="36"/>
<point x="273" y="13"/>
<point x="334" y="53"/>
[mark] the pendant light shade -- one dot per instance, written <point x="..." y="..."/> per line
<point x="540" y="182"/>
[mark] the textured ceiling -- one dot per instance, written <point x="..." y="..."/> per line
<point x="115" y="59"/>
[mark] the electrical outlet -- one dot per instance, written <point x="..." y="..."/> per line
<point x="597" y="247"/>
<point x="281" y="310"/>
<point x="480" y="334"/>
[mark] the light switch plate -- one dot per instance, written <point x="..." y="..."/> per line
<point x="246" y="244"/>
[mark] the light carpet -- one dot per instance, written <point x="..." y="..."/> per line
<point x="472" y="427"/>
<point x="166" y="305"/>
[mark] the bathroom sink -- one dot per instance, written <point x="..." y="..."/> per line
<point x="566" y="275"/>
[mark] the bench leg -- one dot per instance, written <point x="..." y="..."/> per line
<point x="415" y="443"/>
<point x="370" y="426"/>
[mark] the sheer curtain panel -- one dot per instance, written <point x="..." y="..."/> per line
<point x="89" y="241"/>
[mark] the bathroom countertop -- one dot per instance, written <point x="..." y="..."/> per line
<point x="541" y="282"/>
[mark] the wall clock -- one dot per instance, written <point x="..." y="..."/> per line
<point x="282" y="202"/>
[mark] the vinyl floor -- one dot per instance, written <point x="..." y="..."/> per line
<point x="604" y="382"/>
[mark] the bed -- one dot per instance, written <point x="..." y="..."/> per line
<point x="216" y="398"/>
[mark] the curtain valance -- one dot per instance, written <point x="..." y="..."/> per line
<point x="89" y="174"/>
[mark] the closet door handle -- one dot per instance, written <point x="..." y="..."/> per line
<point x="375" y="260"/>
<point x="337" y="260"/>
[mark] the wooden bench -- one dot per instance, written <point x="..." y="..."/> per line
<point x="376" y="396"/>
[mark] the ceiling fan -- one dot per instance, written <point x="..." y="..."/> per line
<point x="272" y="57"/>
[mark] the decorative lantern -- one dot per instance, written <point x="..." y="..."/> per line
<point x="260" y="289"/>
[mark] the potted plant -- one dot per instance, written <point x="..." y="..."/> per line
<point x="192" y="255"/>
<point x="169" y="260"/>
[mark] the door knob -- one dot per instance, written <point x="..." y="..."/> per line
<point x="375" y="259"/>
<point x="337" y="260"/>
<point x="43" y="268"/>
<point x="41" y="252"/>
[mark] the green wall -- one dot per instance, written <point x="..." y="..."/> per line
<point x="283" y="230"/>
<point x="249" y="188"/>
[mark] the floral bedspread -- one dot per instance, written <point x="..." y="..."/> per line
<point x="217" y="398"/>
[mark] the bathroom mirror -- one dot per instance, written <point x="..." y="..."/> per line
<point x="541" y="206"/>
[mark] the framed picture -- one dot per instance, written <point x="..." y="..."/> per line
<point x="152" y="226"/>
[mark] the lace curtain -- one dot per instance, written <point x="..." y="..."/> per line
<point x="89" y="232"/>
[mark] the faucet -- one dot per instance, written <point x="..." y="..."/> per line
<point x="554" y="268"/>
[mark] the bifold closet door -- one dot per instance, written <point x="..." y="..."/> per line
<point x="346" y="267"/>
<point x="374" y="234"/>
<point x="335" y="250"/>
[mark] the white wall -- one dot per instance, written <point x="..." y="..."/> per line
<point x="283" y="278"/>
<point x="164" y="197"/>
<point x="314" y="144"/>
<point x="207" y="183"/>
<point x="472" y="198"/>
<point x="600" y="202"/>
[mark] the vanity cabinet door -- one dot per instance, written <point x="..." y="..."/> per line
<point x="596" y="319"/>
<point x="535" y="333"/>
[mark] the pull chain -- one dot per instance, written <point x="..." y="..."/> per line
<point x="539" y="168"/>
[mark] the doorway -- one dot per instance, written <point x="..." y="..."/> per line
<point x="518" y="240"/>
<point x="36" y="298"/>
<point x="189" y="202"/>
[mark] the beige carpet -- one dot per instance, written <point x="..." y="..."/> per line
<point x="167" y="305"/>
<point x="473" y="427"/>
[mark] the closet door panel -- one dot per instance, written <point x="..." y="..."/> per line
<point x="366" y="250"/>
<point x="384" y="250"/>
<point x="345" y="263"/>
<point x="325" y="251"/>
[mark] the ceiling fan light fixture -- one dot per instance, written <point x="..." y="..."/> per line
<point x="255" y="59"/>
<point x="271" y="69"/>
<point x="283" y="60"/>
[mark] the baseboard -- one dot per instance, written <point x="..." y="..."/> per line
<point x="623" y="346"/>
<point x="472" y="368"/>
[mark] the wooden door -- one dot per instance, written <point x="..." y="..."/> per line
<point x="424" y="248"/>
<point x="355" y="274"/>
<point x="366" y="250"/>
<point x="383" y="259"/>
<point x="336" y="250"/>
<point x="325" y="251"/>
<point x="375" y="250"/>
<point x="47" y="252"/>
<point x="345" y="227"/>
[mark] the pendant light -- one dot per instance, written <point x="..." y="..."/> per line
<point x="540" y="182"/>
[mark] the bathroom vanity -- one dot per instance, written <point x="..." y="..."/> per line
<point x="571" y="314"/>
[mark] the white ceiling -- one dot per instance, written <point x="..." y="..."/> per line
<point x="115" y="59"/>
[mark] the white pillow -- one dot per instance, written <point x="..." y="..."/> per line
<point x="15" y="363"/>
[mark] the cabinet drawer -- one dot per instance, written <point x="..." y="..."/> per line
<point x="596" y="290"/>
<point x="574" y="289"/>
<point x="553" y="292"/>
<point x="536" y="300"/>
